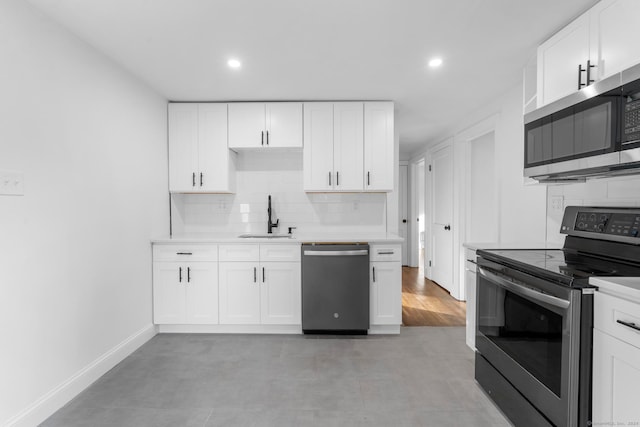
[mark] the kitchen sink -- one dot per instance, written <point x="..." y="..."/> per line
<point x="265" y="236"/>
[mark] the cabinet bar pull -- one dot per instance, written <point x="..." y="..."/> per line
<point x="200" y="179"/>
<point x="337" y="178"/>
<point x="374" y="274"/>
<point x="385" y="252"/>
<point x="188" y="274"/>
<point x="262" y="137"/>
<point x="184" y="253"/>
<point x="589" y="67"/>
<point x="254" y="275"/>
<point x="267" y="137"/>
<point x="368" y="180"/>
<point x="629" y="324"/>
<point x="180" y="275"/>
<point x="329" y="178"/>
<point x="193" y="179"/>
<point x="262" y="274"/>
<point x="580" y="71"/>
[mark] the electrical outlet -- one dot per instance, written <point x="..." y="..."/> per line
<point x="557" y="203"/>
<point x="11" y="183"/>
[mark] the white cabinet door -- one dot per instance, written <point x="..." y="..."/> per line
<point x="202" y="293"/>
<point x="559" y="58"/>
<point x="378" y="146"/>
<point x="247" y="125"/>
<point x="183" y="147"/>
<point x="470" y="284"/>
<point x="213" y="173"/>
<point x="280" y="293"/>
<point x="348" y="145"/>
<point x="169" y="293"/>
<point x="385" y="293"/>
<point x="614" y="45"/>
<point x="283" y="124"/>
<point x="239" y="293"/>
<point x="616" y="375"/>
<point x="318" y="146"/>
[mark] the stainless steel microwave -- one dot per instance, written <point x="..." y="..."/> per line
<point x="594" y="132"/>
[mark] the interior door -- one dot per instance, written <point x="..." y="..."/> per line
<point x="442" y="217"/>
<point x="403" y="226"/>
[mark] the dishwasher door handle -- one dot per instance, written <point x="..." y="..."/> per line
<point x="337" y="253"/>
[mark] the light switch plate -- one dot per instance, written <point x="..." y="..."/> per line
<point x="11" y="183"/>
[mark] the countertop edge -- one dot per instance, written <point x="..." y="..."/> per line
<point x="615" y="286"/>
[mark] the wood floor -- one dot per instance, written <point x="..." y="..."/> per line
<point x="426" y="304"/>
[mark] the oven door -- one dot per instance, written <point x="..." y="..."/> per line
<point x="526" y="329"/>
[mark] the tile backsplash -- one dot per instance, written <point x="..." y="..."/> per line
<point x="620" y="191"/>
<point x="279" y="174"/>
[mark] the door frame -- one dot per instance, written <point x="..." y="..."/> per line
<point x="414" y="211"/>
<point x="407" y="238"/>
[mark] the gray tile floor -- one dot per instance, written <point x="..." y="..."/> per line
<point x="423" y="377"/>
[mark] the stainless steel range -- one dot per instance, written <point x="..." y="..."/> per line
<point x="535" y="316"/>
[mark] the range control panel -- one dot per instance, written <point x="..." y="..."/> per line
<point x="602" y="223"/>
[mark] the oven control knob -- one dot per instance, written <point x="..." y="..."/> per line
<point x="600" y="228"/>
<point x="634" y="233"/>
<point x="592" y="217"/>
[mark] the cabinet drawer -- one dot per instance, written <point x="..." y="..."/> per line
<point x="239" y="252"/>
<point x="279" y="252"/>
<point x="608" y="310"/>
<point x="385" y="253"/>
<point x="186" y="252"/>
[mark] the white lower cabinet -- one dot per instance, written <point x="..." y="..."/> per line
<point x="385" y="278"/>
<point x="616" y="360"/>
<point x="260" y="292"/>
<point x="239" y="293"/>
<point x="185" y="293"/>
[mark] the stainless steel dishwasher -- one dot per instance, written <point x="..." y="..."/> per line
<point x="335" y="288"/>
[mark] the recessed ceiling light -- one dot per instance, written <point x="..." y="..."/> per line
<point x="435" y="62"/>
<point x="234" y="63"/>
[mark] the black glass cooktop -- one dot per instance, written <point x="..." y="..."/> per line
<point x="565" y="266"/>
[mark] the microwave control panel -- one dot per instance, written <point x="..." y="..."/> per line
<point x="631" y="119"/>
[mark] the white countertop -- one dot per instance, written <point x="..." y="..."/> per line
<point x="512" y="245"/>
<point x="297" y="238"/>
<point x="623" y="287"/>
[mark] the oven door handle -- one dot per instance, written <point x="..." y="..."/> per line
<point x="524" y="291"/>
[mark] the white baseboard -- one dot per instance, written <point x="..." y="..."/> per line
<point x="55" y="399"/>
<point x="231" y="329"/>
<point x="384" y="329"/>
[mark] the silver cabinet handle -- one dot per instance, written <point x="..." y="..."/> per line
<point x="337" y="253"/>
<point x="524" y="291"/>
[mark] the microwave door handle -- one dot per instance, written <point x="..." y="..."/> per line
<point x="524" y="291"/>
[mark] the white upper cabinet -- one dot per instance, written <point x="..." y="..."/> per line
<point x="599" y="43"/>
<point x="614" y="44"/>
<point x="264" y="125"/>
<point x="318" y="146"/>
<point x="378" y="146"/>
<point x="559" y="59"/>
<point x="348" y="146"/>
<point x="199" y="160"/>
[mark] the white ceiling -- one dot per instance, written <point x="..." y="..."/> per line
<point x="326" y="50"/>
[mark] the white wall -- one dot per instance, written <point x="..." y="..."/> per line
<point x="620" y="191"/>
<point x="278" y="174"/>
<point x="75" y="261"/>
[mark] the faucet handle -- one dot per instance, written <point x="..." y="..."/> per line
<point x="291" y="229"/>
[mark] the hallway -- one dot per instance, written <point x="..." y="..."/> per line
<point x="426" y="304"/>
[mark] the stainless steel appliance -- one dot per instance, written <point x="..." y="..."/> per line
<point x="335" y="288"/>
<point x="535" y="316"/>
<point x="593" y="132"/>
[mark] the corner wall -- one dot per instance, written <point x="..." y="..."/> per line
<point x="75" y="255"/>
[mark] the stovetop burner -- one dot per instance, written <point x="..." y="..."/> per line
<point x="565" y="266"/>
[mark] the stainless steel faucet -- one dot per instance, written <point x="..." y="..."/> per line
<point x="271" y="225"/>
